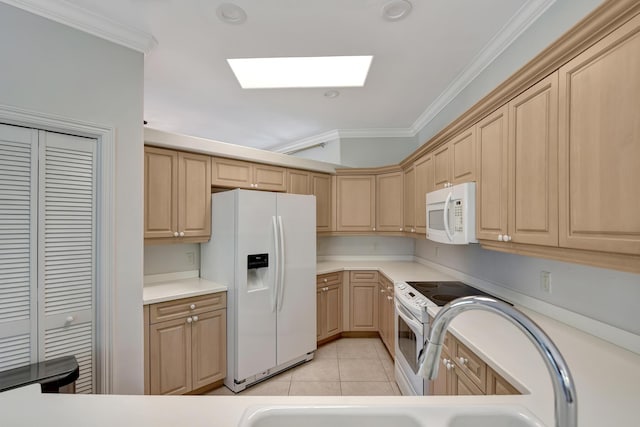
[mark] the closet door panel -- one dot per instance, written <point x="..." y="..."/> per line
<point x="66" y="251"/>
<point x="18" y="243"/>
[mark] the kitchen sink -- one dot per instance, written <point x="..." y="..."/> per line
<point x="398" y="416"/>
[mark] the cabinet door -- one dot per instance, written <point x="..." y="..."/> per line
<point x="356" y="202"/>
<point x="498" y="385"/>
<point x="231" y="173"/>
<point x="160" y="192"/>
<point x="209" y="348"/>
<point x="461" y="385"/>
<point x="269" y="178"/>
<point x="194" y="195"/>
<point x="333" y="310"/>
<point x="492" y="175"/>
<point x="440" y="385"/>
<point x="170" y="357"/>
<point x="321" y="188"/>
<point x="463" y="157"/>
<point x="599" y="152"/>
<point x="391" y="330"/>
<point x="441" y="167"/>
<point x="389" y="203"/>
<point x="298" y="182"/>
<point x="533" y="164"/>
<point x="321" y="304"/>
<point x="363" y="311"/>
<point x="382" y="313"/>
<point x="424" y="184"/>
<point x="409" y="200"/>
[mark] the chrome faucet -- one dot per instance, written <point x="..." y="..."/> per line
<point x="566" y="406"/>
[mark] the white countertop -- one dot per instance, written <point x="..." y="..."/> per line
<point x="167" y="287"/>
<point x="607" y="378"/>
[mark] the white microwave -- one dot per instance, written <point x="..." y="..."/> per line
<point x="451" y="214"/>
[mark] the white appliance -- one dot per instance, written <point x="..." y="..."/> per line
<point x="263" y="247"/>
<point x="412" y="330"/>
<point x="451" y="214"/>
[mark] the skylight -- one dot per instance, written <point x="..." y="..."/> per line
<point x="301" y="72"/>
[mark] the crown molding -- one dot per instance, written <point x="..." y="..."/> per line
<point x="88" y="22"/>
<point x="324" y="137"/>
<point x="520" y="21"/>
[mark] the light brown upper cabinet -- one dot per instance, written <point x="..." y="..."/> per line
<point x="599" y="145"/>
<point x="356" y="203"/>
<point x="409" y="200"/>
<point x="321" y="188"/>
<point x="240" y="174"/>
<point x="441" y="167"/>
<point x="177" y="201"/>
<point x="389" y="206"/>
<point x="462" y="150"/>
<point x="517" y="168"/>
<point x="423" y="184"/>
<point x="455" y="161"/>
<point x="533" y="164"/>
<point x="298" y="182"/>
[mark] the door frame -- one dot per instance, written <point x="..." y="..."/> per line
<point x="105" y="260"/>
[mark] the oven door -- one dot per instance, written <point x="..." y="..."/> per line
<point x="409" y="343"/>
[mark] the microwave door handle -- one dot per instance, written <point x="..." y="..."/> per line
<point x="446" y="217"/>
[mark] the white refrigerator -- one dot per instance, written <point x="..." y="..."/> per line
<point x="263" y="248"/>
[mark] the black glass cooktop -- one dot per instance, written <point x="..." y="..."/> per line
<point x="443" y="292"/>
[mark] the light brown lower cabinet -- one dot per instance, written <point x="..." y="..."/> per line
<point x="386" y="313"/>
<point x="187" y="351"/>
<point x="363" y="301"/>
<point x="329" y="305"/>
<point x="463" y="373"/>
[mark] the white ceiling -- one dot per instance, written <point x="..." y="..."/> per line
<point x="419" y="62"/>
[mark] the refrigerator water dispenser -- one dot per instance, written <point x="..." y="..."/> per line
<point x="257" y="265"/>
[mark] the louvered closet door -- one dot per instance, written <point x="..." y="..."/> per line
<point x="18" y="236"/>
<point x="66" y="252"/>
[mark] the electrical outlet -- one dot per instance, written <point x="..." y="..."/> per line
<point x="545" y="281"/>
<point x="191" y="258"/>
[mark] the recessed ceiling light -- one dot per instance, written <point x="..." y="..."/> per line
<point x="396" y="10"/>
<point x="332" y="94"/>
<point x="300" y="72"/>
<point x="231" y="14"/>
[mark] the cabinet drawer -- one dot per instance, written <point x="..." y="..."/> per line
<point x="183" y="307"/>
<point x="329" y="279"/>
<point x="364" y="276"/>
<point x="471" y="365"/>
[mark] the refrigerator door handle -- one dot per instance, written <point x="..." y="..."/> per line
<point x="274" y="294"/>
<point x="281" y="264"/>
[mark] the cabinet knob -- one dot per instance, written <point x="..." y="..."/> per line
<point x="189" y="320"/>
<point x="463" y="361"/>
<point x="389" y="297"/>
<point x="450" y="366"/>
<point x="192" y="306"/>
<point x="400" y="228"/>
<point x="326" y="289"/>
<point x="195" y="318"/>
<point x="500" y="237"/>
<point x="507" y="238"/>
<point x="324" y="280"/>
<point x="374" y="229"/>
<point x="69" y="319"/>
<point x="176" y="234"/>
<point x="445" y="362"/>
<point x="182" y="234"/>
<point x="413" y="230"/>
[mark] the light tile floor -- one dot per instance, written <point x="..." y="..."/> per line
<point x="345" y="367"/>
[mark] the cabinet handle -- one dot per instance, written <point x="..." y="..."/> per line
<point x="189" y="320"/>
<point x="192" y="306"/>
<point x="182" y="234"/>
<point x="463" y="361"/>
<point x="176" y="234"/>
<point x="195" y="318"/>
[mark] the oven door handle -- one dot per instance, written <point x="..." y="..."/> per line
<point x="413" y="324"/>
